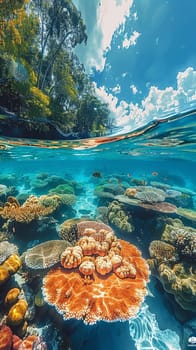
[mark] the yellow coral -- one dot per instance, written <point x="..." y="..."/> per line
<point x="130" y="192"/>
<point x="17" y="313"/>
<point x="4" y="275"/>
<point x="12" y="264"/>
<point x="12" y="296"/>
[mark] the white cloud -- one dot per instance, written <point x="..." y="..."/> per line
<point x="102" y="18"/>
<point x="127" y="42"/>
<point x="158" y="104"/>
<point x="135" y="16"/>
<point x="116" y="89"/>
<point x="124" y="74"/>
<point x="133" y="89"/>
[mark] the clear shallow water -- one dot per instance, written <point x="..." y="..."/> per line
<point x="161" y="155"/>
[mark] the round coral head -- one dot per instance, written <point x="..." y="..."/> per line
<point x="17" y="313"/>
<point x="5" y="338"/>
<point x="107" y="297"/>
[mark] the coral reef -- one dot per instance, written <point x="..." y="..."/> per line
<point x="62" y="189"/>
<point x="5" y="337"/>
<point x="119" y="218"/>
<point x="173" y="263"/>
<point x="68" y="230"/>
<point x="183" y="238"/>
<point x="187" y="213"/>
<point x="17" y="313"/>
<point x="148" y="194"/>
<point x="102" y="278"/>
<point x="160" y="207"/>
<point x="12" y="296"/>
<point x="9" y="267"/>
<point x="84" y="225"/>
<point x="32" y="209"/>
<point x="7" y="249"/>
<point x="44" y="255"/>
<point x="163" y="251"/>
<point x="130" y="192"/>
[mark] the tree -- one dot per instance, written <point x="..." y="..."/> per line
<point x="60" y="26"/>
<point x="91" y="116"/>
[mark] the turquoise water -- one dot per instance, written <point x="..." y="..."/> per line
<point x="160" y="156"/>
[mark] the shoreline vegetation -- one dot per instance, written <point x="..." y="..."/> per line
<point x="43" y="87"/>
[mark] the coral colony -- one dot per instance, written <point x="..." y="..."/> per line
<point x="100" y="278"/>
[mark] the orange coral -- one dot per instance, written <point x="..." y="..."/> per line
<point x="130" y="192"/>
<point x="4" y="275"/>
<point x="87" y="267"/>
<point x="32" y="209"/>
<point x="26" y="344"/>
<point x="92" y="228"/>
<point x="71" y="257"/>
<point x="12" y="264"/>
<point x="107" y="297"/>
<point x="5" y="337"/>
<point x="103" y="265"/>
<point x="12" y="296"/>
<point x="17" y="313"/>
<point x="9" y="267"/>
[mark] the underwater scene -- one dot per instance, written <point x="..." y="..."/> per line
<point x="97" y="175"/>
<point x="98" y="245"/>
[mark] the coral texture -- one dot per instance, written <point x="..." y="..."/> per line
<point x="119" y="218"/>
<point x="17" y="313"/>
<point x="12" y="296"/>
<point x="6" y="249"/>
<point x="9" y="267"/>
<point x="5" y="338"/>
<point x="45" y="255"/>
<point x="94" y="286"/>
<point x="30" y="210"/>
<point x="173" y="263"/>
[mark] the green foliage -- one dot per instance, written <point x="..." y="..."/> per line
<point x="40" y="76"/>
<point x="38" y="103"/>
<point x="91" y="116"/>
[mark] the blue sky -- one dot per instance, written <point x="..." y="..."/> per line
<point x="141" y="55"/>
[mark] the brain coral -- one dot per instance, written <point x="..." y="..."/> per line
<point x="45" y="255"/>
<point x="109" y="287"/>
<point x="95" y="225"/>
<point x="5" y="337"/>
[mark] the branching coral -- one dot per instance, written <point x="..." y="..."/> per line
<point x="32" y="209"/>
<point x="97" y="287"/>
